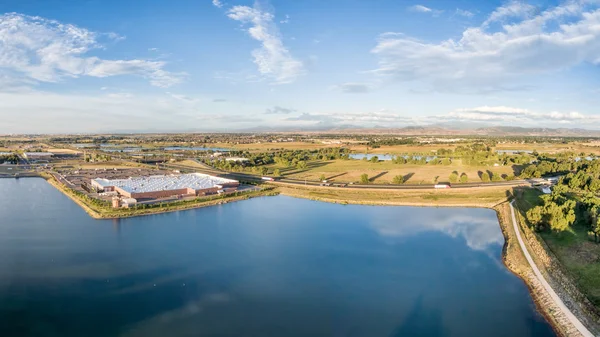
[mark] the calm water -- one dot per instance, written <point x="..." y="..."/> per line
<point x="273" y="266"/>
<point x="185" y="148"/>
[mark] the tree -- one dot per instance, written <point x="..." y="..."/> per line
<point x="464" y="178"/>
<point x="485" y="177"/>
<point x="322" y="177"/>
<point x="364" y="178"/>
<point x="276" y="172"/>
<point x="453" y="177"/>
<point x="534" y="215"/>
<point x="301" y="165"/>
<point x="496" y="177"/>
<point x="399" y="179"/>
<point x="264" y="170"/>
<point x="374" y="159"/>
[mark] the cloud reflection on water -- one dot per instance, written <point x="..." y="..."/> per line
<point x="478" y="227"/>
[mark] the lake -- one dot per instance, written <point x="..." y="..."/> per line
<point x="186" y="148"/>
<point x="271" y="266"/>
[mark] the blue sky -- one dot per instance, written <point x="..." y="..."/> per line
<point x="204" y="65"/>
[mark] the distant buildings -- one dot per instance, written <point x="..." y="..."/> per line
<point x="164" y="186"/>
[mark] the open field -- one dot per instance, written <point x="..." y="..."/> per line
<point x="63" y="151"/>
<point x="552" y="147"/>
<point x="580" y="257"/>
<point x="425" y="149"/>
<point x="385" y="171"/>
<point x="477" y="197"/>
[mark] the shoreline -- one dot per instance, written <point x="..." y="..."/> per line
<point x="512" y="255"/>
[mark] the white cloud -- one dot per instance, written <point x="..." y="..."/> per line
<point x="486" y="60"/>
<point x="514" y="9"/>
<point x="182" y="98"/>
<point x="353" y="88"/>
<point x="217" y="3"/>
<point x="420" y="9"/>
<point x="504" y="114"/>
<point x="273" y="59"/>
<point x="286" y="20"/>
<point x="465" y="13"/>
<point x="42" y="50"/>
<point x="277" y="110"/>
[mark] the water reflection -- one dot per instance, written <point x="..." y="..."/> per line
<point x="478" y="227"/>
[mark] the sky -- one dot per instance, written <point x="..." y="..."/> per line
<point x="95" y="66"/>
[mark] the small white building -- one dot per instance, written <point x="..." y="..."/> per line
<point x="128" y="202"/>
<point x="237" y="159"/>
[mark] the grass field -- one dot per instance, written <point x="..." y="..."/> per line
<point x="587" y="147"/>
<point x="553" y="147"/>
<point x="385" y="171"/>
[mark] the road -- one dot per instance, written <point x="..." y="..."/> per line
<point x="578" y="325"/>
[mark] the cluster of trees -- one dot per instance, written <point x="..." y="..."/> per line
<point x="454" y="177"/>
<point x="12" y="159"/>
<point x="574" y="199"/>
<point x="557" y="212"/>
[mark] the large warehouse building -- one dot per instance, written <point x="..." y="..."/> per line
<point x="163" y="186"/>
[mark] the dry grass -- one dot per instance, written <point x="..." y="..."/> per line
<point x="351" y="170"/>
<point x="479" y="197"/>
<point x="63" y="151"/>
<point x="553" y="147"/>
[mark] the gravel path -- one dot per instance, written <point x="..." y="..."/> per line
<point x="559" y="303"/>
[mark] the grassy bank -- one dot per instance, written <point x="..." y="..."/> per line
<point x="477" y="197"/>
<point x="575" y="250"/>
<point x="101" y="211"/>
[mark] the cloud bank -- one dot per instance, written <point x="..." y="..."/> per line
<point x="513" y="43"/>
<point x="35" y="49"/>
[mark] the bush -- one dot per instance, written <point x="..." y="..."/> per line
<point x="485" y="177"/>
<point x="364" y="178"/>
<point x="398" y="179"/>
<point x="375" y="159"/>
<point x="453" y="177"/>
<point x="464" y="178"/>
